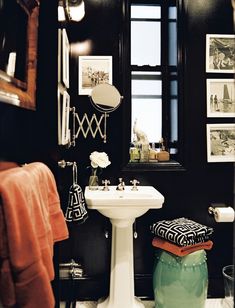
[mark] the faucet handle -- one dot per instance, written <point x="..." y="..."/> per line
<point x="134" y="182"/>
<point x="106" y="183"/>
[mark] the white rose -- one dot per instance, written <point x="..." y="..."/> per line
<point x="99" y="159"/>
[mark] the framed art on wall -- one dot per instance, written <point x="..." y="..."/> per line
<point x="65" y="58"/>
<point x="65" y="134"/>
<point x="220" y="98"/>
<point x="220" y="142"/>
<point x="59" y="55"/>
<point x="220" y="53"/>
<point x="63" y="116"/>
<point x="93" y="70"/>
<point x="60" y="107"/>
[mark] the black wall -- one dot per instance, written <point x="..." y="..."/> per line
<point x="188" y="192"/>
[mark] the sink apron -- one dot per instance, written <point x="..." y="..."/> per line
<point x="121" y="293"/>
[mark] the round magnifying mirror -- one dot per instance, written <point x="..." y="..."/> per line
<point x="105" y="97"/>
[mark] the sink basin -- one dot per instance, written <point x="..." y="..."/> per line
<point x="124" y="204"/>
<point x="122" y="207"/>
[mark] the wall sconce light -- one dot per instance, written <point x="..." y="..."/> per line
<point x="71" y="10"/>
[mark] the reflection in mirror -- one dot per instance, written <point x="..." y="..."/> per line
<point x="71" y="10"/>
<point x="105" y="97"/>
<point x="13" y="39"/>
<point x="18" y="52"/>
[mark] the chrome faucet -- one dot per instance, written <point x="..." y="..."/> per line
<point x="121" y="185"/>
<point x="106" y="183"/>
<point x="134" y="182"/>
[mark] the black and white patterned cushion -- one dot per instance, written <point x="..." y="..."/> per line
<point x="181" y="231"/>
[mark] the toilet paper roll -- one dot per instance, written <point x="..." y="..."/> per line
<point x="224" y="214"/>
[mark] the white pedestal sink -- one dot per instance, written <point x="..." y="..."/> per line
<point x="122" y="207"/>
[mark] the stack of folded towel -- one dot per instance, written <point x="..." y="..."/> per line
<point x="181" y="236"/>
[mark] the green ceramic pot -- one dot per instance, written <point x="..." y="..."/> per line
<point x="180" y="282"/>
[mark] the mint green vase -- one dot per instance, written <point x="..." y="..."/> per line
<point x="180" y="282"/>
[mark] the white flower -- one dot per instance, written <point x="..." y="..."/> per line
<point x="99" y="159"/>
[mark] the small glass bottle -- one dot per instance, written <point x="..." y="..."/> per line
<point x="144" y="153"/>
<point x="134" y="154"/>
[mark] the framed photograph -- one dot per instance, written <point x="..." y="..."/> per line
<point x="220" y="142"/>
<point x="60" y="106"/>
<point x="65" y="134"/>
<point x="220" y="53"/>
<point x="65" y="58"/>
<point x="63" y="116"/>
<point x="93" y="70"/>
<point x="220" y="98"/>
<point x="59" y="55"/>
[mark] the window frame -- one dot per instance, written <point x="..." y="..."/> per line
<point x="166" y="70"/>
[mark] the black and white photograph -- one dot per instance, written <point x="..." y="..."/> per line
<point x="93" y="70"/>
<point x="220" y="98"/>
<point x="220" y="49"/>
<point x="220" y="142"/>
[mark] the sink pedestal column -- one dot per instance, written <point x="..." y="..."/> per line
<point x="121" y="292"/>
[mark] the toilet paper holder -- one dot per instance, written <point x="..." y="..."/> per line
<point x="211" y="210"/>
<point x="222" y="213"/>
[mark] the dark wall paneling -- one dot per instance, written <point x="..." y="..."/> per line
<point x="187" y="193"/>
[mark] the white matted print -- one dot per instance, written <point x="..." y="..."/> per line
<point x="220" y="142"/>
<point x="220" y="53"/>
<point x="93" y="70"/>
<point x="65" y="135"/>
<point x="63" y="116"/>
<point x="59" y="55"/>
<point x="65" y="58"/>
<point x="220" y="98"/>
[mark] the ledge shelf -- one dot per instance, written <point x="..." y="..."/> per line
<point x="170" y="165"/>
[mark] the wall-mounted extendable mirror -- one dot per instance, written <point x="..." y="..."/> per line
<point x="18" y="52"/>
<point x="105" y="97"/>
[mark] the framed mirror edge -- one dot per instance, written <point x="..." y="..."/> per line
<point x="11" y="90"/>
<point x="28" y="5"/>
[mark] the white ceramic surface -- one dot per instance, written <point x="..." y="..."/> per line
<point x="124" y="204"/>
<point x="122" y="207"/>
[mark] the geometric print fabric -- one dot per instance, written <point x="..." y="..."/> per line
<point x="76" y="210"/>
<point x="181" y="231"/>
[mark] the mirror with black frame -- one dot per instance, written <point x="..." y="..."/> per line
<point x="18" y="52"/>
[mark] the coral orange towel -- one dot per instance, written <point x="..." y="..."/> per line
<point x="31" y="221"/>
<point x="180" y="250"/>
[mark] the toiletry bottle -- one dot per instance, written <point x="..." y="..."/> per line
<point x="153" y="153"/>
<point x="144" y="153"/>
<point x="163" y="155"/>
<point x="134" y="154"/>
